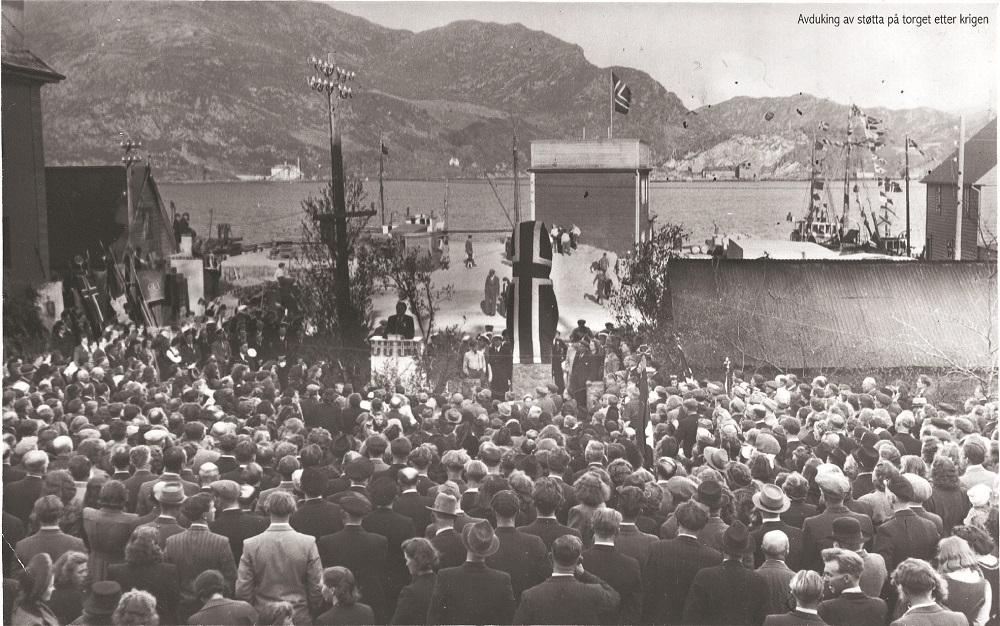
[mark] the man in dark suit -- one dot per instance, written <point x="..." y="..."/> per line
<point x="409" y="502"/>
<point x="607" y="562"/>
<point x="196" y="550"/>
<point x="906" y="534"/>
<point x="571" y="595"/>
<point x="139" y="459"/>
<point x="446" y="540"/>
<point x="400" y="323"/>
<point x="849" y="606"/>
<point x="521" y="555"/>
<point x="173" y="462"/>
<point x="232" y="522"/>
<point x="10" y="474"/>
<point x="672" y="566"/>
<point x="817" y="530"/>
<point x="396" y="529"/>
<point x="547" y="496"/>
<point x="727" y="593"/>
<point x="316" y="516"/>
<point x="473" y="593"/>
<point x="775" y="573"/>
<point x="807" y="587"/>
<point x="358" y="471"/>
<point x="629" y="540"/>
<point x="360" y="551"/>
<point x="49" y="539"/>
<point x="771" y="501"/>
<point x="558" y="464"/>
<point x="19" y="496"/>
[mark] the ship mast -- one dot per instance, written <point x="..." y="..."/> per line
<point x="847" y="173"/>
<point x="517" y="185"/>
<point x="381" y="168"/>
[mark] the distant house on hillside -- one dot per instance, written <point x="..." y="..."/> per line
<point x="746" y="171"/>
<point x="979" y="200"/>
<point x="25" y="224"/>
<point x="720" y="172"/>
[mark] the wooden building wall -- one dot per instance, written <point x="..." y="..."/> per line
<point x="601" y="203"/>
<point x="25" y="227"/>
<point x="941" y="207"/>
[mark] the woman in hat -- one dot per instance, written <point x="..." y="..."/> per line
<point x="100" y="605"/>
<point x="340" y="590"/>
<point x="492" y="293"/>
<point x="36" y="581"/>
<point x="144" y="569"/>
<point x="71" y="579"/>
<point x="947" y="498"/>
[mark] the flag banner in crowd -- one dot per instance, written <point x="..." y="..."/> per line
<point x="532" y="315"/>
<point x="621" y="94"/>
<point x="152" y="283"/>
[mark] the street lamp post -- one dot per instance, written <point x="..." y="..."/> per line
<point x="131" y="157"/>
<point x="331" y="81"/>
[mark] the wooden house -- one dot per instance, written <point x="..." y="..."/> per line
<point x="25" y="223"/>
<point x="979" y="195"/>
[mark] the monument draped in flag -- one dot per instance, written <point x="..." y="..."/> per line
<point x="532" y="314"/>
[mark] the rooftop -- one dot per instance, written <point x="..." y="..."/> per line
<point x="980" y="159"/>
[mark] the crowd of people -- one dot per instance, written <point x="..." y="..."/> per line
<point x="207" y="475"/>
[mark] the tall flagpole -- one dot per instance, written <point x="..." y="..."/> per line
<point x="907" y="172"/>
<point x="381" y="189"/>
<point x="611" y="108"/>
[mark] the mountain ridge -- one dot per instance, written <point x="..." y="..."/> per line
<point x="218" y="89"/>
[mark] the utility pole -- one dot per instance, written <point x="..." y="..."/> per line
<point x="961" y="189"/>
<point x="381" y="170"/>
<point x="331" y="80"/>
<point x="907" y="173"/>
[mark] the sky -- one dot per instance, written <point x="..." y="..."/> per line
<point x="706" y="53"/>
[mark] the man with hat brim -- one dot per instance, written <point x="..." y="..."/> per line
<point x="100" y="604"/>
<point x="362" y="552"/>
<point x="169" y="496"/>
<point x="473" y="593"/>
<point x="771" y="501"/>
<point x="446" y="539"/>
<point x="906" y="534"/>
<point x="728" y="593"/>
<point x="816" y="529"/>
<point x="846" y="534"/>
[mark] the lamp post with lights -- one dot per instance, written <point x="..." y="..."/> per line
<point x="332" y="81"/>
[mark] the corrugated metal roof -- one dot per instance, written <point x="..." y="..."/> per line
<point x="980" y="158"/>
<point x="833" y="314"/>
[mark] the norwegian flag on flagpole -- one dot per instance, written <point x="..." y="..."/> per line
<point x="621" y="94"/>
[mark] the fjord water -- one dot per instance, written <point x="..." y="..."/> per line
<point x="261" y="212"/>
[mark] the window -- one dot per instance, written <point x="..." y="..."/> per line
<point x="938" y="188"/>
<point x="971" y="203"/>
<point x="643" y="189"/>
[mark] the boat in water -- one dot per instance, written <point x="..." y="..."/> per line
<point x="861" y="225"/>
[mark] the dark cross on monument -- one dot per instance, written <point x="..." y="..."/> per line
<point x="532" y="315"/>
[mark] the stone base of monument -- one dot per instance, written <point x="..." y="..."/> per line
<point x="528" y="376"/>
